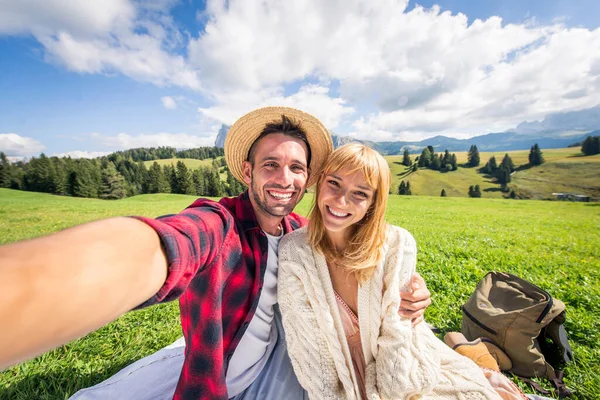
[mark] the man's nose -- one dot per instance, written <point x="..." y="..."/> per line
<point x="285" y="177"/>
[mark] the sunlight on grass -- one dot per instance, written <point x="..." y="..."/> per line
<point x="553" y="244"/>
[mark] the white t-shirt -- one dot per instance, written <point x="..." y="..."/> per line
<point x="255" y="347"/>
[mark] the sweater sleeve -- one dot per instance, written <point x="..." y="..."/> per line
<point x="405" y="364"/>
<point x="307" y="346"/>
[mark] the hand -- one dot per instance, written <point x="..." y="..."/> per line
<point x="413" y="304"/>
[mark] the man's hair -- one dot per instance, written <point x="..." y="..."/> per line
<point x="286" y="127"/>
<point x="364" y="249"/>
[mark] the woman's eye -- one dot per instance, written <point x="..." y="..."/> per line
<point x="362" y="194"/>
<point x="334" y="183"/>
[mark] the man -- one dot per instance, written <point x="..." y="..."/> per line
<point x="219" y="258"/>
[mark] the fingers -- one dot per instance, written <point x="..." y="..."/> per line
<point x="412" y="306"/>
<point x="416" y="321"/>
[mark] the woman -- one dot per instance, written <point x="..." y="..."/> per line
<point x="338" y="289"/>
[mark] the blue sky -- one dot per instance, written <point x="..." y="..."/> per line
<point x="86" y="78"/>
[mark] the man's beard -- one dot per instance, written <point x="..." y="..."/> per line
<point x="278" y="211"/>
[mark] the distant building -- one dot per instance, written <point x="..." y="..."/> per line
<point x="571" y="197"/>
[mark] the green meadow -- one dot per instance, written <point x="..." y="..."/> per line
<point x="564" y="170"/>
<point x="556" y="245"/>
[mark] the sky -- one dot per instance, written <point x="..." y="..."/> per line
<point x="85" y="78"/>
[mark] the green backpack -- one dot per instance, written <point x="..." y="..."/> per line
<point x="520" y="318"/>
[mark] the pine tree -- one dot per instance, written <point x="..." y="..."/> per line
<point x="474" y="191"/>
<point x="425" y="158"/>
<point x="406" y="158"/>
<point x="473" y="156"/>
<point x="83" y="179"/>
<point x="493" y="165"/>
<point x="214" y="187"/>
<point x="171" y="177"/>
<point x="453" y="162"/>
<point x="199" y="181"/>
<point x="40" y="175"/>
<point x="185" y="183"/>
<point x="508" y="163"/>
<point x="113" y="183"/>
<point x="5" y="171"/>
<point x="401" y="188"/>
<point x="443" y="194"/>
<point x="157" y="182"/>
<point x="436" y="163"/>
<point x="591" y="145"/>
<point x="404" y="188"/>
<point x="535" y="155"/>
<point x="503" y="177"/>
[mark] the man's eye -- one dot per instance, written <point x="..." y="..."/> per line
<point x="270" y="165"/>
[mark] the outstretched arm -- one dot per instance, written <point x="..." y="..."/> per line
<point x="59" y="287"/>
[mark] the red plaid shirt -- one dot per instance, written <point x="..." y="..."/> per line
<point x="217" y="255"/>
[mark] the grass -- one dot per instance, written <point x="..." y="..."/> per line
<point x="565" y="170"/>
<point x="553" y="244"/>
<point x="191" y="163"/>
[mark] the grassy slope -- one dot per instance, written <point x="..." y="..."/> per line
<point x="554" y="244"/>
<point x="189" y="162"/>
<point x="564" y="171"/>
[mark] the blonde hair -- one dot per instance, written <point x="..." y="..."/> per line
<point x="364" y="249"/>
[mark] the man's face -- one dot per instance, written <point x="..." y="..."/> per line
<point x="277" y="180"/>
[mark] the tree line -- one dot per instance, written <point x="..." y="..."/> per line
<point x="115" y="177"/>
<point x="443" y="162"/>
<point x="165" y="152"/>
<point x="591" y="145"/>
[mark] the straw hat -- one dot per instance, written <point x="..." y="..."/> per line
<point x="247" y="129"/>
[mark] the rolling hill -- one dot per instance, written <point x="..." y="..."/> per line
<point x="565" y="170"/>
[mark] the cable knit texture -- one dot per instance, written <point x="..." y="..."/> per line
<point x="401" y="362"/>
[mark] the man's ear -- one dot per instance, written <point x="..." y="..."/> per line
<point x="247" y="171"/>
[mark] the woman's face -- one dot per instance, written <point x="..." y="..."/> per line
<point x="344" y="199"/>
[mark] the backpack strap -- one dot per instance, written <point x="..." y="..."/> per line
<point x="536" y="386"/>
<point x="563" y="390"/>
<point x="557" y="382"/>
<point x="555" y="330"/>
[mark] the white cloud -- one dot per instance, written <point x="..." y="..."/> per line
<point x="397" y="74"/>
<point x="169" y="102"/>
<point x="14" y="145"/>
<point x="83" y="154"/>
<point x="124" y="141"/>
<point x="136" y="39"/>
<point x="313" y="99"/>
<point x="419" y="73"/>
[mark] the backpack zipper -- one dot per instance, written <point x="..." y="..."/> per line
<point x="547" y="308"/>
<point x="490" y="330"/>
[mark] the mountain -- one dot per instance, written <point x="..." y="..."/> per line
<point x="563" y="123"/>
<point x="556" y="130"/>
<point x="220" y="140"/>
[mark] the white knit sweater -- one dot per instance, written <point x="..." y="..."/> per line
<point x="401" y="362"/>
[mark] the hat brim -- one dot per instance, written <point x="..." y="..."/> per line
<point x="246" y="130"/>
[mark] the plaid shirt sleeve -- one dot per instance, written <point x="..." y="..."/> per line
<point x="192" y="241"/>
